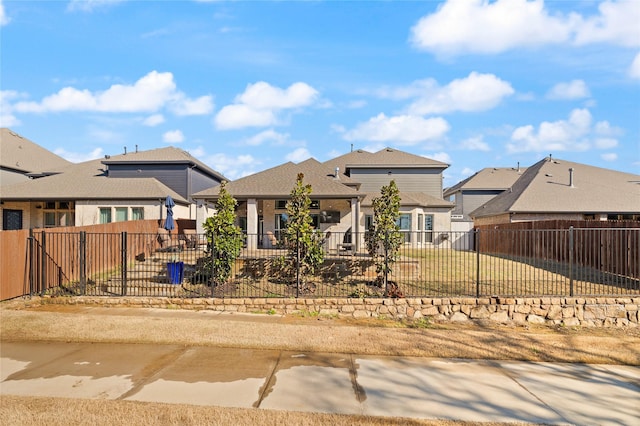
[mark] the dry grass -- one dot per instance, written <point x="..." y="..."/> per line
<point x="67" y="323"/>
<point x="16" y="410"/>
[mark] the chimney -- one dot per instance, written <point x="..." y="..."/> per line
<point x="337" y="175"/>
<point x="571" y="177"/>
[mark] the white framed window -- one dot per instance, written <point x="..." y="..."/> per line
<point x="122" y="214"/>
<point x="58" y="213"/>
<point x="105" y="215"/>
<point x="137" y="213"/>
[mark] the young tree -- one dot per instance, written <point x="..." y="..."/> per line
<point x="224" y="237"/>
<point x="384" y="237"/>
<point x="303" y="241"/>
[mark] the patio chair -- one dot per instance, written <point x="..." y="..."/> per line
<point x="273" y="241"/>
<point x="190" y="238"/>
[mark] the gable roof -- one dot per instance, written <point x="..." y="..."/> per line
<point x="385" y="158"/>
<point x="277" y="182"/>
<point x="20" y="154"/>
<point x="544" y="188"/>
<point x="87" y="181"/>
<point x="168" y="155"/>
<point x="490" y="178"/>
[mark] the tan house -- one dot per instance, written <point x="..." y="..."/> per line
<point x="555" y="189"/>
<point x="343" y="190"/>
<point x="123" y="187"/>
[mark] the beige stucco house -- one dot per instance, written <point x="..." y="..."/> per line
<point x="343" y="190"/>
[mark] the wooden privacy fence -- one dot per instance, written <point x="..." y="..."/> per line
<point x="38" y="259"/>
<point x="612" y="246"/>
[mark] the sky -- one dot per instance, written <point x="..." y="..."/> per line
<point x="245" y="86"/>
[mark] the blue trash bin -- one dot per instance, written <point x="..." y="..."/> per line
<point x="175" y="272"/>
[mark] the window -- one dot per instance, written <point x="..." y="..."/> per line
<point x="137" y="213"/>
<point x="122" y="214"/>
<point x="58" y="213"/>
<point x="105" y="214"/>
<point x="315" y="205"/>
<point x="428" y="228"/>
<point x="11" y="219"/>
<point x="404" y="222"/>
<point x="281" y="204"/>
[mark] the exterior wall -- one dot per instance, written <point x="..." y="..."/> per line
<point x="408" y="180"/>
<point x="88" y="212"/>
<point x="172" y="175"/>
<point x="28" y="213"/>
<point x="471" y="200"/>
<point x="199" y="181"/>
<point x="549" y="311"/>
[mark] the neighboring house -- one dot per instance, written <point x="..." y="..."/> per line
<point x="130" y="186"/>
<point x="21" y="159"/>
<point x="476" y="190"/>
<point x="557" y="189"/>
<point x="342" y="194"/>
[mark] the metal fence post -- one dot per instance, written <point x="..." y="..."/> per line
<point x="123" y="262"/>
<point x="83" y="262"/>
<point x="298" y="263"/>
<point x="477" y="238"/>
<point x="213" y="261"/>
<point x="43" y="263"/>
<point x="571" y="261"/>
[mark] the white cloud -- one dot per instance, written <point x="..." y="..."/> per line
<point x="298" y="155"/>
<point x="477" y="92"/>
<point x="268" y="136"/>
<point x="403" y="129"/>
<point x="89" y="5"/>
<point x="200" y="106"/>
<point x="173" y="136"/>
<point x="617" y="23"/>
<point x="467" y="171"/>
<point x="574" y="134"/>
<point x="460" y="26"/>
<point x="610" y="156"/>
<point x="260" y="104"/>
<point x="4" y="19"/>
<point x="149" y="94"/>
<point x="634" y="69"/>
<point x="153" y="120"/>
<point x="239" y="116"/>
<point x="475" y="144"/>
<point x="78" y="157"/>
<point x="605" y="143"/>
<point x="232" y="167"/>
<point x="440" y="156"/>
<point x="480" y="26"/>
<point x="7" y="119"/>
<point x="575" y="89"/>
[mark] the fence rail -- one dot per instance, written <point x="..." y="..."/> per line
<point x="571" y="262"/>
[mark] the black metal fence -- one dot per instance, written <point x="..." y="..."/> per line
<point x="569" y="262"/>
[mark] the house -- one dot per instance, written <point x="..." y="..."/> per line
<point x="476" y="190"/>
<point x="555" y="189"/>
<point x="129" y="186"/>
<point x="21" y="159"/>
<point x="342" y="192"/>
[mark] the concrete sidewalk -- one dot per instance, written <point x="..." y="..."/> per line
<point x="501" y="391"/>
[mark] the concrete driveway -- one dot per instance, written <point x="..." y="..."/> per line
<point x="500" y="391"/>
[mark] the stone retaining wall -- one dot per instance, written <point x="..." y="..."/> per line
<point x="567" y="311"/>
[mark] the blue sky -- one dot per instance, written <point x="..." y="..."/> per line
<point x="245" y="86"/>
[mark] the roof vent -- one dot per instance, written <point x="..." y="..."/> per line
<point x="337" y="175"/>
<point x="107" y="156"/>
<point x="571" y="177"/>
<point x="125" y="150"/>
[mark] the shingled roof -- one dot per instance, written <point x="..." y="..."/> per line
<point x="413" y="199"/>
<point x="87" y="181"/>
<point x="20" y="154"/>
<point x="167" y="155"/>
<point x="278" y="182"/>
<point x="545" y="188"/>
<point x="490" y="178"/>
